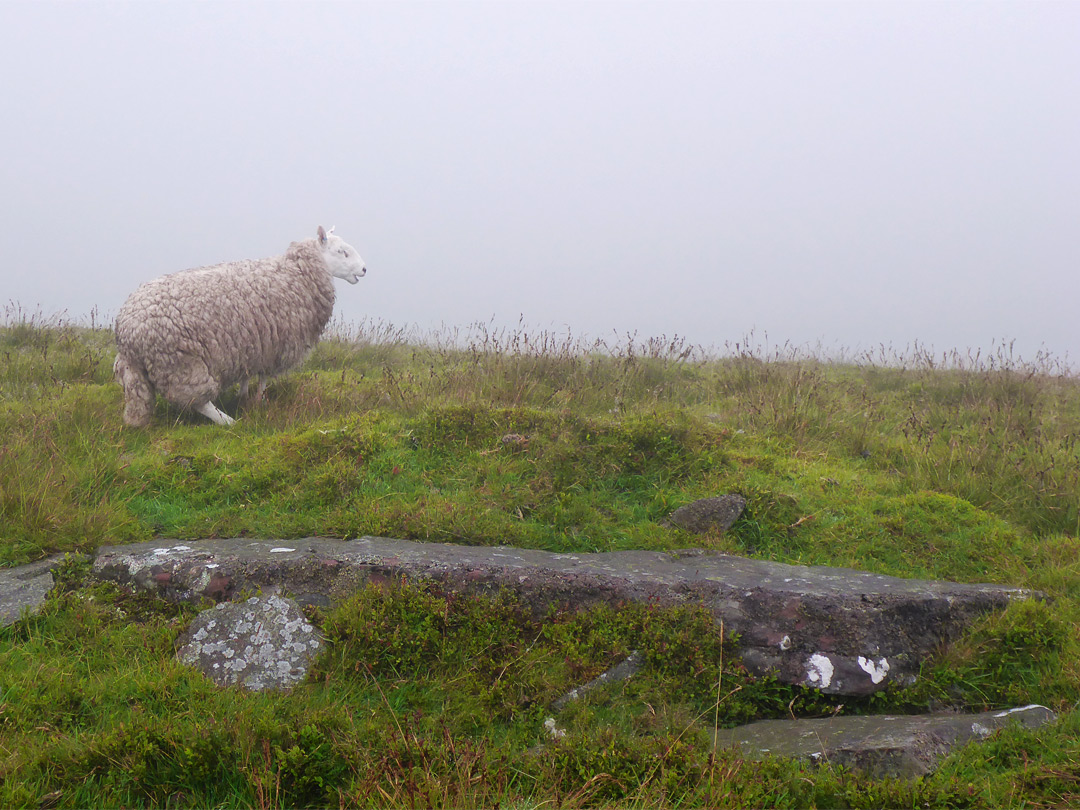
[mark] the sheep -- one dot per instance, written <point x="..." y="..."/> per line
<point x="191" y="335"/>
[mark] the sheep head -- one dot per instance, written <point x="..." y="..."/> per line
<point x="341" y="258"/>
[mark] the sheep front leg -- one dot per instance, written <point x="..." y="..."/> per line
<point x="211" y="412"/>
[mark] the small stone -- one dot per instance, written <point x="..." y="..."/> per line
<point x="709" y="514"/>
<point x="263" y="643"/>
<point x="620" y="672"/>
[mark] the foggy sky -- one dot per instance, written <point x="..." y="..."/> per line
<point x="850" y="174"/>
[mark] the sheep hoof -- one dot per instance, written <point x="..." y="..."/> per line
<point x="211" y="412"/>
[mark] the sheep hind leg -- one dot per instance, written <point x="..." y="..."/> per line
<point x="260" y="389"/>
<point x="247" y="399"/>
<point x="211" y="412"/>
<point x="138" y="392"/>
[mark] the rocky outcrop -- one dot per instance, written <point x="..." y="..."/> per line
<point x="883" y="745"/>
<point x="839" y="630"/>
<point x="261" y="643"/>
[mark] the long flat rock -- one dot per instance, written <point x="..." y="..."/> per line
<point x="840" y="630"/>
<point x="883" y="745"/>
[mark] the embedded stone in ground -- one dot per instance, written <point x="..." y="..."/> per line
<point x="263" y="643"/>
<point x="24" y="588"/>
<point x="627" y="668"/>
<point x="839" y="630"/>
<point x="708" y="514"/>
<point x="882" y="745"/>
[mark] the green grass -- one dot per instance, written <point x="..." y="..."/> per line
<point x="953" y="467"/>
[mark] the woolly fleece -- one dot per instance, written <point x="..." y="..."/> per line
<point x="191" y="335"/>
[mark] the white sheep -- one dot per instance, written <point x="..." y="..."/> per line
<point x="191" y="335"/>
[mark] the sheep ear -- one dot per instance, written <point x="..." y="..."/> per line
<point x="322" y="236"/>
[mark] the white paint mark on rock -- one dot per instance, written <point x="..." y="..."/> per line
<point x="280" y="550"/>
<point x="819" y="670"/>
<point x="876" y="671"/>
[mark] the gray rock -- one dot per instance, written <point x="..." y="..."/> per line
<point x="842" y="631"/>
<point x="627" y="668"/>
<point x="24" y="588"/>
<point x="708" y="514"/>
<point x="262" y="643"/>
<point x="883" y="745"/>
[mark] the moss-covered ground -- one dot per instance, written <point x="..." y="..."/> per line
<point x="911" y="464"/>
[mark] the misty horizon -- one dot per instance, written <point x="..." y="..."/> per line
<point x="834" y="175"/>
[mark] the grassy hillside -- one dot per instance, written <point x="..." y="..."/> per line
<point x="955" y="467"/>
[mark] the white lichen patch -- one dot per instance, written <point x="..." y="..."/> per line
<point x="203" y="581"/>
<point x="785" y="643"/>
<point x="553" y="730"/>
<point x="1019" y="594"/>
<point x="877" y="671"/>
<point x="819" y="670"/>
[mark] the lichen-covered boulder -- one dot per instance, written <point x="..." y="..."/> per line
<point x="263" y="643"/>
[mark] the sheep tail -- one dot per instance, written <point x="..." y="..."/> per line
<point x="138" y="392"/>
